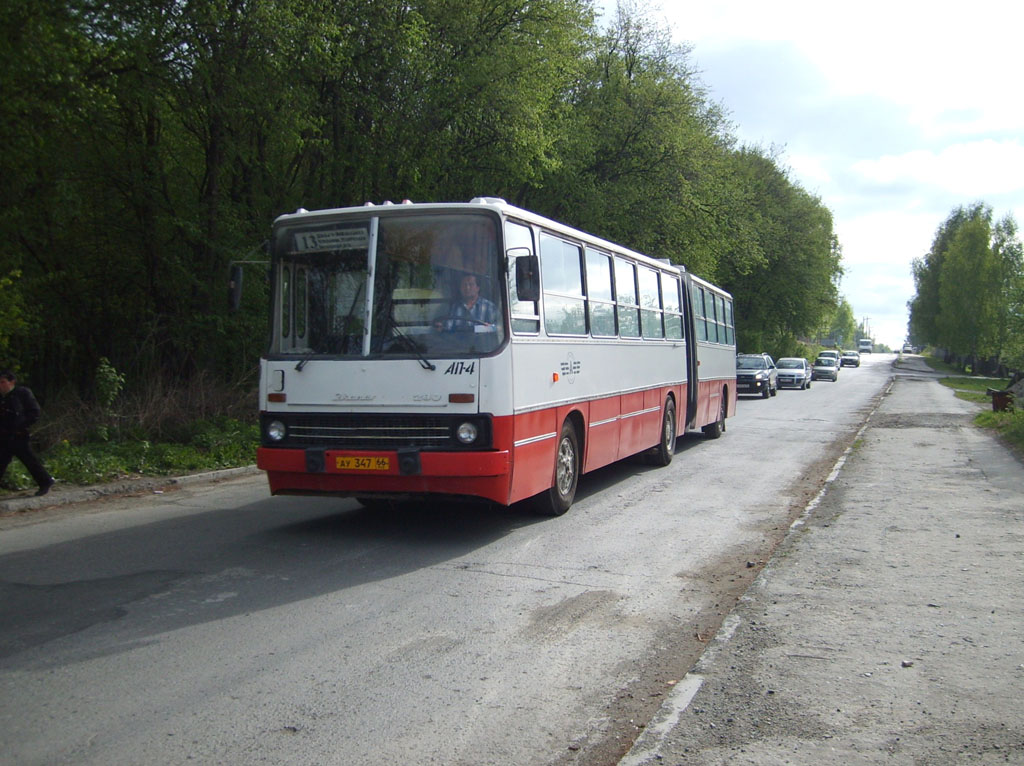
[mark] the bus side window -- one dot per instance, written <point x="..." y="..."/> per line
<point x="627" y="309"/>
<point x="673" y="313"/>
<point x="562" y="280"/>
<point x="600" y="298"/>
<point x="709" y="309"/>
<point x="698" y="313"/>
<point x="730" y="326"/>
<point x="723" y="324"/>
<point x="525" y="319"/>
<point x="650" y="303"/>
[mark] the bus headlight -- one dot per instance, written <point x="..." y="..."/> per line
<point x="276" y="430"/>
<point x="466" y="433"/>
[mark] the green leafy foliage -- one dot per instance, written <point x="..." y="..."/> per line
<point x="969" y="292"/>
<point x="969" y="297"/>
<point x="12" y="311"/>
<point x="109" y="383"/>
<point x="147" y="146"/>
<point x="789" y="287"/>
<point x="842" y="329"/>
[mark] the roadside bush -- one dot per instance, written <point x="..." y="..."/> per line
<point x="221" y="443"/>
<point x="1013" y="427"/>
<point x="152" y="411"/>
<point x="155" y="430"/>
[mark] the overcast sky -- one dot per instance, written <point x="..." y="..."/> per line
<point x="893" y="113"/>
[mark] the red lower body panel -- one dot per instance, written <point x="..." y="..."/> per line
<point x="520" y="465"/>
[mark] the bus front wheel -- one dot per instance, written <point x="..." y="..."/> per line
<point x="557" y="499"/>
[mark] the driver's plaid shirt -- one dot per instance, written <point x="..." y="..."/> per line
<point x="483" y="311"/>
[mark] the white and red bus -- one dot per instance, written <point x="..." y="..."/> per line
<point x="478" y="350"/>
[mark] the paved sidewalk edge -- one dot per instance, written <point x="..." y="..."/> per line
<point x="60" y="496"/>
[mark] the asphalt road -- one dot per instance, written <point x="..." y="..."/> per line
<point x="215" y="624"/>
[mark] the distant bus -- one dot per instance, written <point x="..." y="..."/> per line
<point x="478" y="350"/>
<point x="865" y="345"/>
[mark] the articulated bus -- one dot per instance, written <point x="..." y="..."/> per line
<point x="477" y="350"/>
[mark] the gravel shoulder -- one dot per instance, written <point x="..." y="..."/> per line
<point x="887" y="627"/>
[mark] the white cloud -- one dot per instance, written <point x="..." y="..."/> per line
<point x="886" y="237"/>
<point x="893" y="113"/>
<point x="971" y="170"/>
<point x="811" y="170"/>
<point x="878" y="248"/>
<point x="948" y="66"/>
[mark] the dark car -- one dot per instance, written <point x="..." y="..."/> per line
<point x="794" y="372"/>
<point x="756" y="374"/>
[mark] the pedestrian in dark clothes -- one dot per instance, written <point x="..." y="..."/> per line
<point x="19" y="410"/>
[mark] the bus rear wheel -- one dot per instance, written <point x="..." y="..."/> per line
<point x="556" y="500"/>
<point x="716" y="429"/>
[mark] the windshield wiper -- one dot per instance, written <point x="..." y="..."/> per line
<point x="410" y="344"/>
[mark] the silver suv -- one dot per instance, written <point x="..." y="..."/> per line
<point x="756" y="374"/>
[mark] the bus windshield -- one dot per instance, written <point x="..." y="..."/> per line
<point x="434" y="291"/>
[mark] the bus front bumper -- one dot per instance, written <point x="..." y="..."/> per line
<point x="347" y="473"/>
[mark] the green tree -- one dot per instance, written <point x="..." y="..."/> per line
<point x="789" y="289"/>
<point x="843" y="327"/>
<point x="925" y="306"/>
<point x="1010" y="328"/>
<point x="1014" y="343"/>
<point x="970" y="293"/>
<point x="642" y="153"/>
<point x="968" y="288"/>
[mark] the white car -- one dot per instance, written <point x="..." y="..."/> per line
<point x="831" y="354"/>
<point x="794" y="372"/>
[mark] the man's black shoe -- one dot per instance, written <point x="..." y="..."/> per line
<point x="45" y="488"/>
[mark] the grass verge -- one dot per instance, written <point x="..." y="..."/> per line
<point x="209" y="445"/>
<point x="973" y="389"/>
<point x="1009" y="425"/>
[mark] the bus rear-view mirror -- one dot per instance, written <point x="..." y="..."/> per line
<point x="527" y="283"/>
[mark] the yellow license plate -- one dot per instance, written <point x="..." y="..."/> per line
<point x="362" y="463"/>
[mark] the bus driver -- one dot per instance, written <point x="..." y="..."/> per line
<point x="470" y="310"/>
